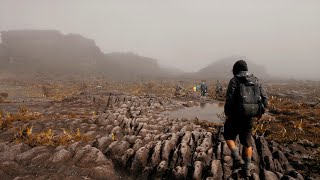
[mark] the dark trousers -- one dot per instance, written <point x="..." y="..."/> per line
<point x="239" y="126"/>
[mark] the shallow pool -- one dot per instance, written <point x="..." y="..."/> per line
<point x="206" y="111"/>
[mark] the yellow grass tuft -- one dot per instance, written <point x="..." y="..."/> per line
<point x="48" y="137"/>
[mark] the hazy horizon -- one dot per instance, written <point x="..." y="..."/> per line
<point x="283" y="35"/>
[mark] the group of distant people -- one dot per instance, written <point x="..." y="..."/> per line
<point x="203" y="88"/>
<point x="245" y="99"/>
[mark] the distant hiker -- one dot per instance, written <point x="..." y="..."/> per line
<point x="218" y="87"/>
<point x="203" y="88"/>
<point x="194" y="88"/>
<point x="178" y="87"/>
<point x="178" y="90"/>
<point x="245" y="99"/>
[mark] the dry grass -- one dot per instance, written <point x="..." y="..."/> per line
<point x="48" y="137"/>
<point x="292" y="121"/>
<point x="166" y="88"/>
<point x="23" y="114"/>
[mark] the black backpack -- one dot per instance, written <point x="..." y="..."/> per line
<point x="250" y="98"/>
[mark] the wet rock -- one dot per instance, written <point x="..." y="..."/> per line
<point x="147" y="171"/>
<point x="105" y="172"/>
<point x="4" y="95"/>
<point x="116" y="129"/>
<point x="11" y="168"/>
<point x="117" y="148"/>
<point x="174" y="129"/>
<point x="156" y="154"/>
<point x="255" y="155"/>
<point x="269" y="175"/>
<point x="11" y="153"/>
<point x="198" y="168"/>
<point x="255" y="168"/>
<point x="40" y="159"/>
<point x="148" y="138"/>
<point x="186" y="154"/>
<point x="90" y="134"/>
<point x="286" y="177"/>
<point x="218" y="151"/>
<point x="287" y="167"/>
<point x="3" y="174"/>
<point x="295" y="175"/>
<point x="126" y="157"/>
<point x="227" y="166"/>
<point x="207" y="143"/>
<point x="103" y="143"/>
<point x="161" y="169"/>
<point x="3" y="147"/>
<point x="73" y="147"/>
<point x="92" y="157"/>
<point x="138" y="144"/>
<point x="61" y="156"/>
<point x="278" y="166"/>
<point x="180" y="172"/>
<point x="140" y="126"/>
<point x="130" y="139"/>
<point x="296" y="148"/>
<point x="280" y="175"/>
<point x="116" y="123"/>
<point x="143" y="132"/>
<point x="210" y="153"/>
<point x="266" y="154"/>
<point x="255" y="176"/>
<point x="310" y="178"/>
<point x="269" y="164"/>
<point x="168" y="146"/>
<point x="140" y="160"/>
<point x="202" y="156"/>
<point x="279" y="155"/>
<point x="216" y="169"/>
<point x="28" y="155"/>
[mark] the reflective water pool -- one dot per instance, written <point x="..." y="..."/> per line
<point x="206" y="111"/>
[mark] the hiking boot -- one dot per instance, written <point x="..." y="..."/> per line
<point x="237" y="163"/>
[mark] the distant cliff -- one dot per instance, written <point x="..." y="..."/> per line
<point x="129" y="66"/>
<point x="49" y="51"/>
<point x="222" y="69"/>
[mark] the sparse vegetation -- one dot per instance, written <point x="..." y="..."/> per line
<point x="70" y="102"/>
<point x="48" y="137"/>
<point x="293" y="121"/>
<point x="7" y="118"/>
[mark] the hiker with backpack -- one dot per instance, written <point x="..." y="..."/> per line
<point x="178" y="88"/>
<point x="203" y="88"/>
<point x="245" y="99"/>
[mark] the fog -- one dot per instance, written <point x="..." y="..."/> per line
<point x="282" y="35"/>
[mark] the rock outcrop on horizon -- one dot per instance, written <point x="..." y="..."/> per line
<point x="50" y="51"/>
<point x="119" y="65"/>
<point x="47" y="50"/>
<point x="222" y="69"/>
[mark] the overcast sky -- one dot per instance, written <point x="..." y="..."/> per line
<point x="284" y="35"/>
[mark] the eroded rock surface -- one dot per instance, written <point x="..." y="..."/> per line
<point x="131" y="139"/>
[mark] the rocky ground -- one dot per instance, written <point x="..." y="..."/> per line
<point x="99" y="134"/>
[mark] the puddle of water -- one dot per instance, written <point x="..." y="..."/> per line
<point x="206" y="111"/>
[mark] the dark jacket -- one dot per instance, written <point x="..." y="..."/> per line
<point x="233" y="93"/>
<point x="204" y="88"/>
